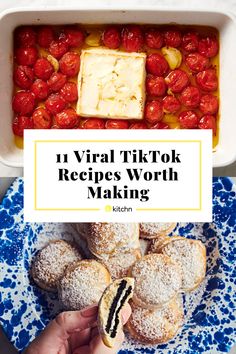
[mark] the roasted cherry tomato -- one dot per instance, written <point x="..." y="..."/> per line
<point x="55" y="103"/>
<point x="116" y="124"/>
<point x="160" y="125"/>
<point x="73" y="37"/>
<point x="170" y="104"/>
<point x="153" y="111"/>
<point x="208" y="122"/>
<point x="56" y="81"/>
<point x="155" y="85"/>
<point x="197" y="62"/>
<point x="23" y="76"/>
<point x="25" y="36"/>
<point x="153" y="38"/>
<point x="67" y="119"/>
<point x="207" y="80"/>
<point x="43" y="69"/>
<point x="138" y="125"/>
<point x="177" y="80"/>
<point x="156" y="64"/>
<point x="93" y="123"/>
<point x="26" y="56"/>
<point x="45" y="36"/>
<point x="111" y="37"/>
<point x="190" y="97"/>
<point x="190" y="42"/>
<point x="69" y="92"/>
<point x="172" y="38"/>
<point x="20" y="123"/>
<point x="208" y="46"/>
<point x="40" y="89"/>
<point x="132" y="38"/>
<point x="23" y="103"/>
<point x="42" y="119"/>
<point x="188" y="119"/>
<point x="58" y="48"/>
<point x="209" y="104"/>
<point x="69" y="64"/>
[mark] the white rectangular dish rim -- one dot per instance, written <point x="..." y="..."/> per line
<point x="225" y="152"/>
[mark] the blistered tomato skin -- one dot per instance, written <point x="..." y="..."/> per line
<point x="67" y="119"/>
<point x="170" y="104"/>
<point x="155" y="85"/>
<point x="25" y="37"/>
<point x="208" y="46"/>
<point x="188" y="119"/>
<point x="116" y="124"/>
<point x="160" y="125"/>
<point x="190" y="97"/>
<point x="138" y="125"/>
<point x="69" y="64"/>
<point x="69" y="92"/>
<point x="153" y="38"/>
<point x="111" y="38"/>
<point x="132" y="38"/>
<point x="73" y="37"/>
<point x="197" y="62"/>
<point x="43" y="69"/>
<point x="153" y="111"/>
<point x="56" y="81"/>
<point x="93" y="123"/>
<point x="156" y="64"/>
<point x="55" y="103"/>
<point x="42" y="119"/>
<point x="208" y="122"/>
<point x="45" y="36"/>
<point x="207" y="80"/>
<point x="58" y="48"/>
<point x="172" y="38"/>
<point x="20" y="123"/>
<point x="177" y="80"/>
<point x="40" y="89"/>
<point x="190" y="42"/>
<point x="23" y="103"/>
<point x="23" y="76"/>
<point x="209" y="104"/>
<point x="26" y="56"/>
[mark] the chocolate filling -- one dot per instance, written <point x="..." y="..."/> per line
<point x="114" y="329"/>
<point x="114" y="304"/>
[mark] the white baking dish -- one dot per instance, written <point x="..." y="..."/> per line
<point x="225" y="152"/>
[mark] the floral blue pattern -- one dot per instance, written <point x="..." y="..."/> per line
<point x="209" y="311"/>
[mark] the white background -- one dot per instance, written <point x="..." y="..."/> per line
<point x="194" y="4"/>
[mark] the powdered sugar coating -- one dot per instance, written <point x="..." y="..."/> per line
<point x="191" y="257"/>
<point x="83" y="284"/>
<point x="107" y="238"/>
<point x="156" y="326"/>
<point x="155" y="229"/>
<point x="51" y="261"/>
<point x="158" y="279"/>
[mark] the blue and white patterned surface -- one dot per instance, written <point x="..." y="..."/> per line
<point x="209" y="311"/>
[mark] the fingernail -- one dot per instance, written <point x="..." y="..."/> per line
<point x="90" y="311"/>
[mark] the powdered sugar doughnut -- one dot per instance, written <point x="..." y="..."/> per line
<point x="110" y="238"/>
<point x="156" y="326"/>
<point x="155" y="229"/>
<point x="119" y="264"/>
<point x="158" y="279"/>
<point x="50" y="263"/>
<point x="83" y="284"/>
<point x="191" y="257"/>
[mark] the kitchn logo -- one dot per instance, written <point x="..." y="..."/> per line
<point x="118" y="209"/>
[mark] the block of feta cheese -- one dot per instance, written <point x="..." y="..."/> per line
<point x="111" y="84"/>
